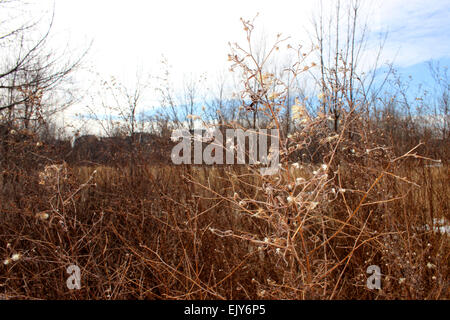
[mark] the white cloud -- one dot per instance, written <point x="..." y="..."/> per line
<point x="193" y="35"/>
<point x="417" y="30"/>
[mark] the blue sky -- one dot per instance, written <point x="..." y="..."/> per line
<point x="420" y="73"/>
<point x="417" y="30"/>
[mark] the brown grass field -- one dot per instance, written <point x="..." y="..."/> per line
<point x="176" y="232"/>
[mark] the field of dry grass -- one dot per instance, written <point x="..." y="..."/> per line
<point x="179" y="232"/>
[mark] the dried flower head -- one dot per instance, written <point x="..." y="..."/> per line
<point x="16" y="257"/>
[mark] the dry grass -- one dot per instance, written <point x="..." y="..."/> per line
<point x="159" y="234"/>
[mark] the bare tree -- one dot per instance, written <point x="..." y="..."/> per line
<point x="221" y="104"/>
<point x="442" y="92"/>
<point x="122" y="105"/>
<point x="180" y="108"/>
<point x="31" y="72"/>
<point x="342" y="39"/>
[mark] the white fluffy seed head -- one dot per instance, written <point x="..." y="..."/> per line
<point x="16" y="257"/>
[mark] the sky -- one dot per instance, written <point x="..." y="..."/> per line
<point x="193" y="35"/>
